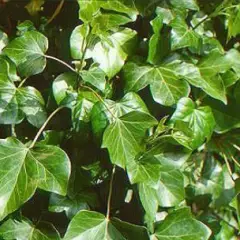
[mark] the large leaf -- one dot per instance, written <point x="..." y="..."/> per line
<point x="165" y="84"/>
<point x="16" y="103"/>
<point x="181" y="225"/>
<point x="92" y="225"/>
<point x="28" y="53"/>
<point x="24" y="169"/>
<point x="111" y="52"/>
<point x="199" y="120"/>
<point x="13" y="229"/>
<point x="124" y="137"/>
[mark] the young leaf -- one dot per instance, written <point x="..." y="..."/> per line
<point x="123" y="138"/>
<point x="13" y="229"/>
<point x="99" y="228"/>
<point x="199" y="120"/>
<point x="181" y="225"/>
<point x="165" y="84"/>
<point x="46" y="167"/>
<point x="28" y="53"/>
<point x="111" y="52"/>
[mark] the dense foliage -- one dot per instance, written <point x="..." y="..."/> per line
<point x="120" y="119"/>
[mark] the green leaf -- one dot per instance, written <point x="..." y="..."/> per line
<point x="93" y="225"/>
<point x="8" y="69"/>
<point x="34" y="6"/>
<point x="3" y="40"/>
<point x="64" y="88"/>
<point x="46" y="167"/>
<point x="233" y="56"/>
<point x="16" y="103"/>
<point x="181" y="225"/>
<point x="28" y="53"/>
<point x="88" y="9"/>
<point x="182" y="36"/>
<point x="165" y="84"/>
<point x="233" y="22"/>
<point x="111" y="52"/>
<point x="124" y="137"/>
<point x="78" y="42"/>
<point x="100" y="115"/>
<point x="199" y="120"/>
<point x="185" y="4"/>
<point x="94" y="76"/>
<point x="23" y="230"/>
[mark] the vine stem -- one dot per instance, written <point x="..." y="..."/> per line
<point x="110" y="193"/>
<point x="60" y="61"/>
<point x="44" y="125"/>
<point x="228" y="165"/>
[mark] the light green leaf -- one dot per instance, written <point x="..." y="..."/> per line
<point x="185" y="4"/>
<point x="78" y="42"/>
<point x="16" y="103"/>
<point x="233" y="56"/>
<point x="93" y="225"/>
<point x="111" y="52"/>
<point x="124" y="137"/>
<point x="94" y="76"/>
<point x="199" y="120"/>
<point x="233" y="23"/>
<point x="100" y="115"/>
<point x="24" y="169"/>
<point x="64" y="88"/>
<point x="3" y="40"/>
<point x="89" y="9"/>
<point x="181" y="225"/>
<point x="28" y="53"/>
<point x="165" y="84"/>
<point x="13" y="229"/>
<point x="183" y="36"/>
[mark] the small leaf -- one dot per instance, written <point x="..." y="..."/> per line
<point x="94" y="76"/>
<point x="174" y="227"/>
<point x="46" y="167"/>
<point x="185" y="4"/>
<point x="34" y="6"/>
<point x="233" y="22"/>
<point x="3" y="40"/>
<point x="97" y="227"/>
<point x="8" y="69"/>
<point x="13" y="229"/>
<point x="124" y="137"/>
<point x="27" y="52"/>
<point x="199" y="120"/>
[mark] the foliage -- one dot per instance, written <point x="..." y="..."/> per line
<point x="119" y="120"/>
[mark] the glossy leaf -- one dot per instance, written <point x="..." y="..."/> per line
<point x="24" y="169"/>
<point x="123" y="138"/>
<point x="28" y="53"/>
<point x="174" y="227"/>
<point x="98" y="227"/>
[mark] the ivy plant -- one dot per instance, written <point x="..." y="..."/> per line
<point x="120" y="120"/>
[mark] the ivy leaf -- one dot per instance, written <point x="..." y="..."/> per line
<point x="28" y="53"/>
<point x="233" y="21"/>
<point x="185" y="4"/>
<point x="183" y="36"/>
<point x="3" y="40"/>
<point x="199" y="120"/>
<point x="34" y="6"/>
<point x="8" y="69"/>
<point x="88" y="9"/>
<point x="46" y="167"/>
<point x="123" y="138"/>
<point x="100" y="115"/>
<point x="111" y="52"/>
<point x="94" y="76"/>
<point x="16" y="103"/>
<point x="174" y="227"/>
<point x="22" y="230"/>
<point x="78" y="42"/>
<point x="99" y="228"/>
<point x="165" y="84"/>
<point x="64" y="88"/>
